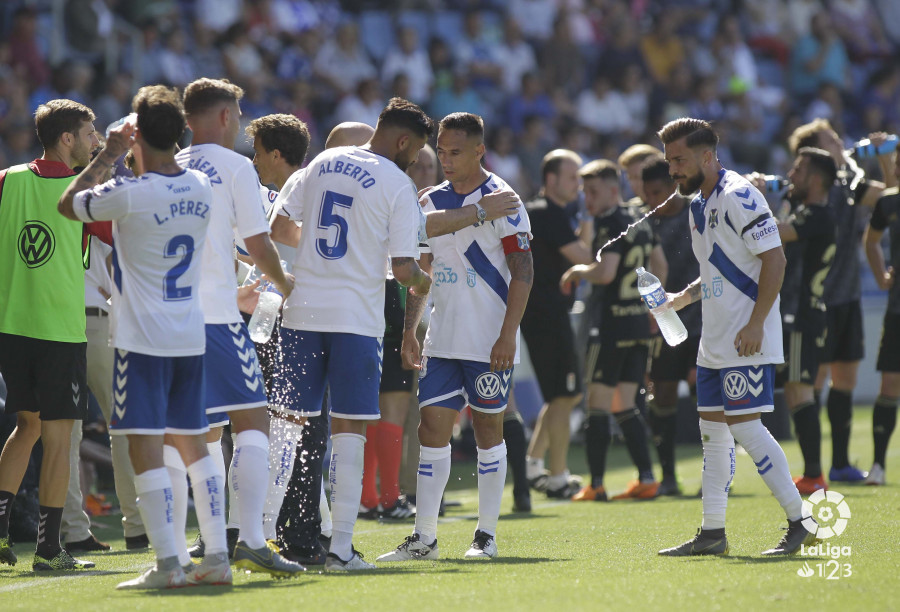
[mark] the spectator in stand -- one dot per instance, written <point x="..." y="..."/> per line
<point x="561" y="60"/>
<point x="408" y="58"/>
<point x="364" y="105"/>
<point x="115" y="101"/>
<point x="662" y="48"/>
<point x="621" y="50"/>
<point x="534" y="18"/>
<point x="175" y="63"/>
<point x="602" y="109"/>
<point x="531" y="101"/>
<point x="206" y="53"/>
<point x="515" y="56"/>
<point x="479" y="57"/>
<point x="25" y="54"/>
<point x="532" y="144"/>
<point x="633" y="89"/>
<point x="459" y="96"/>
<point x="88" y="25"/>
<point x="295" y="61"/>
<point x="501" y="159"/>
<point x="820" y="57"/>
<point x="858" y="25"/>
<point x="342" y="63"/>
<point x="218" y="15"/>
<point x="241" y="57"/>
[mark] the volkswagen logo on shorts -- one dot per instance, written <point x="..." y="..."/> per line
<point x="735" y="385"/>
<point x="36" y="244"/>
<point x="487" y="385"/>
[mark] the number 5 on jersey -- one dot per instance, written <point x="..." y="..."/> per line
<point x="334" y="244"/>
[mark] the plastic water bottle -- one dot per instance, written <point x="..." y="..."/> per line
<point x="864" y="149"/>
<point x="262" y="322"/>
<point x="775" y="183"/>
<point x="655" y="298"/>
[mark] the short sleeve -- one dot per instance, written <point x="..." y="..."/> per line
<point x="106" y="202"/>
<point x="249" y="212"/>
<point x="879" y="220"/>
<point x="403" y="230"/>
<point x="288" y="203"/>
<point x="555" y="229"/>
<point x="518" y="223"/>
<point x="749" y="214"/>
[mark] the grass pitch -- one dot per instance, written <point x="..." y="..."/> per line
<point x="564" y="556"/>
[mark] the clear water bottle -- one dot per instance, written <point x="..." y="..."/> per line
<point x="775" y="183"/>
<point x="262" y="322"/>
<point x="655" y="298"/>
<point x="864" y="149"/>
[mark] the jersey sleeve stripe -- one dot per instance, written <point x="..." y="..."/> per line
<point x="486" y="270"/>
<point x="759" y="219"/>
<point x="732" y="273"/>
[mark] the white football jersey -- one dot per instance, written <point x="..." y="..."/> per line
<point x="471" y="278"/>
<point x="237" y="209"/>
<point x="357" y="209"/>
<point x="728" y="231"/>
<point x="96" y="277"/>
<point x="268" y="197"/>
<point x="160" y="224"/>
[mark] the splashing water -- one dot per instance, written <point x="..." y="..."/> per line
<point x="636" y="223"/>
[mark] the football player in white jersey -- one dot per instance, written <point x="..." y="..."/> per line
<point x="735" y="239"/>
<point x="358" y="208"/>
<point x="482" y="278"/>
<point x="233" y="378"/>
<point x="160" y="225"/>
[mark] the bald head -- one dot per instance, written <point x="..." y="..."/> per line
<point x="349" y="134"/>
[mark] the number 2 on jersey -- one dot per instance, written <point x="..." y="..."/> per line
<point x="328" y="219"/>
<point x="171" y="290"/>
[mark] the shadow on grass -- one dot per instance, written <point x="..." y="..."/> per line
<point x="413" y="568"/>
<point x="502" y="561"/>
<point x="518" y="516"/>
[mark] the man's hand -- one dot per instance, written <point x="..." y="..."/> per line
<point x="248" y="297"/>
<point x="679" y="300"/>
<point x="887" y="280"/>
<point x="422" y="285"/>
<point x="503" y="353"/>
<point x="572" y="275"/>
<point x="410" y="353"/>
<point x="749" y="340"/>
<point x="284" y="289"/>
<point x="500" y="203"/>
<point x="120" y="140"/>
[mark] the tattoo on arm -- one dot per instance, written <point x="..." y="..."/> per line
<point x="521" y="266"/>
<point x="694" y="291"/>
<point x="415" y="308"/>
<point x="94" y="173"/>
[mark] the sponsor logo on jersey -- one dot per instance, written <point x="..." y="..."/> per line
<point x="36" y="244"/>
<point x="471" y="277"/>
<point x="735" y="385"/>
<point x="718" y="287"/>
<point x="487" y="385"/>
<point x="444" y="276"/>
<point x="767" y="229"/>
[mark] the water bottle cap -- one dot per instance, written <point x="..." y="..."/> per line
<point x="641" y="270"/>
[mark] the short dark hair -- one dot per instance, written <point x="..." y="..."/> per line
<point x="203" y="94"/>
<point x="603" y="169"/>
<point x="160" y="115"/>
<point x="656" y="169"/>
<point x="696" y="132"/>
<point x="553" y="161"/>
<point x="469" y="123"/>
<point x="56" y="117"/>
<point x="637" y="153"/>
<point x="404" y="114"/>
<point x="821" y="162"/>
<point x="284" y="133"/>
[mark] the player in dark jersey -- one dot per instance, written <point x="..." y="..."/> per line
<point x="851" y="198"/>
<point x="671" y="364"/>
<point x="620" y="330"/>
<point x="884" y="414"/>
<point x="812" y="227"/>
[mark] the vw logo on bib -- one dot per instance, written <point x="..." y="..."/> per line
<point x="488" y="385"/>
<point x="735" y="385"/>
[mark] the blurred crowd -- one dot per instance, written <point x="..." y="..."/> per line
<point x="593" y="76"/>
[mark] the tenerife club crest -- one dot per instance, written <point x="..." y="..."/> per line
<point x="36" y="244"/>
<point x="713" y="217"/>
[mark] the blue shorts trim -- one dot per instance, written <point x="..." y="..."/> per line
<point x="453" y="383"/>
<point x="155" y="395"/>
<point x="233" y="378"/>
<point x="736" y="390"/>
<point x="348" y="364"/>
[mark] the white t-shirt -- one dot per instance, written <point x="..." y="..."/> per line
<point x="470" y="277"/>
<point x="728" y="231"/>
<point x="159" y="230"/>
<point x="237" y="210"/>
<point x="357" y="209"/>
<point x="96" y="277"/>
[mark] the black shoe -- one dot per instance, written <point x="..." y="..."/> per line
<point x="231" y="540"/>
<point x="368" y="514"/>
<point x="668" y="486"/>
<point x="539" y="483"/>
<point x="522" y="501"/>
<point x="400" y="511"/>
<point x="706" y="542"/>
<point x="198" y="548"/>
<point x="325" y="541"/>
<point x="315" y="555"/>
<point x="90" y="544"/>
<point x="137" y="542"/>
<point x="797" y="534"/>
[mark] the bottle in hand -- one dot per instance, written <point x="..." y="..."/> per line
<point x="655" y="298"/>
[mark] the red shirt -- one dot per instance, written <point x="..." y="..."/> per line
<point x="54" y="169"/>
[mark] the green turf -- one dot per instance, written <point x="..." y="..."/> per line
<point x="565" y="556"/>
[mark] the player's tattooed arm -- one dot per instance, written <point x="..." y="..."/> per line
<point x="521" y="270"/>
<point x="119" y="141"/>
<point x="410" y="352"/>
<point x="692" y="293"/>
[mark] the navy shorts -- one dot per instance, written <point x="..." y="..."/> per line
<point x="736" y="390"/>
<point x="155" y="395"/>
<point x="349" y="364"/>
<point x="233" y="378"/>
<point x="453" y="383"/>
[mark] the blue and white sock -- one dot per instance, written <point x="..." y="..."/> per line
<point x="178" y="477"/>
<point x="154" y="500"/>
<point x="282" y="454"/>
<point x="250" y="478"/>
<point x="718" y="472"/>
<point x="345" y="474"/>
<point x="491" y="478"/>
<point x="433" y="474"/>
<point x="209" y="503"/>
